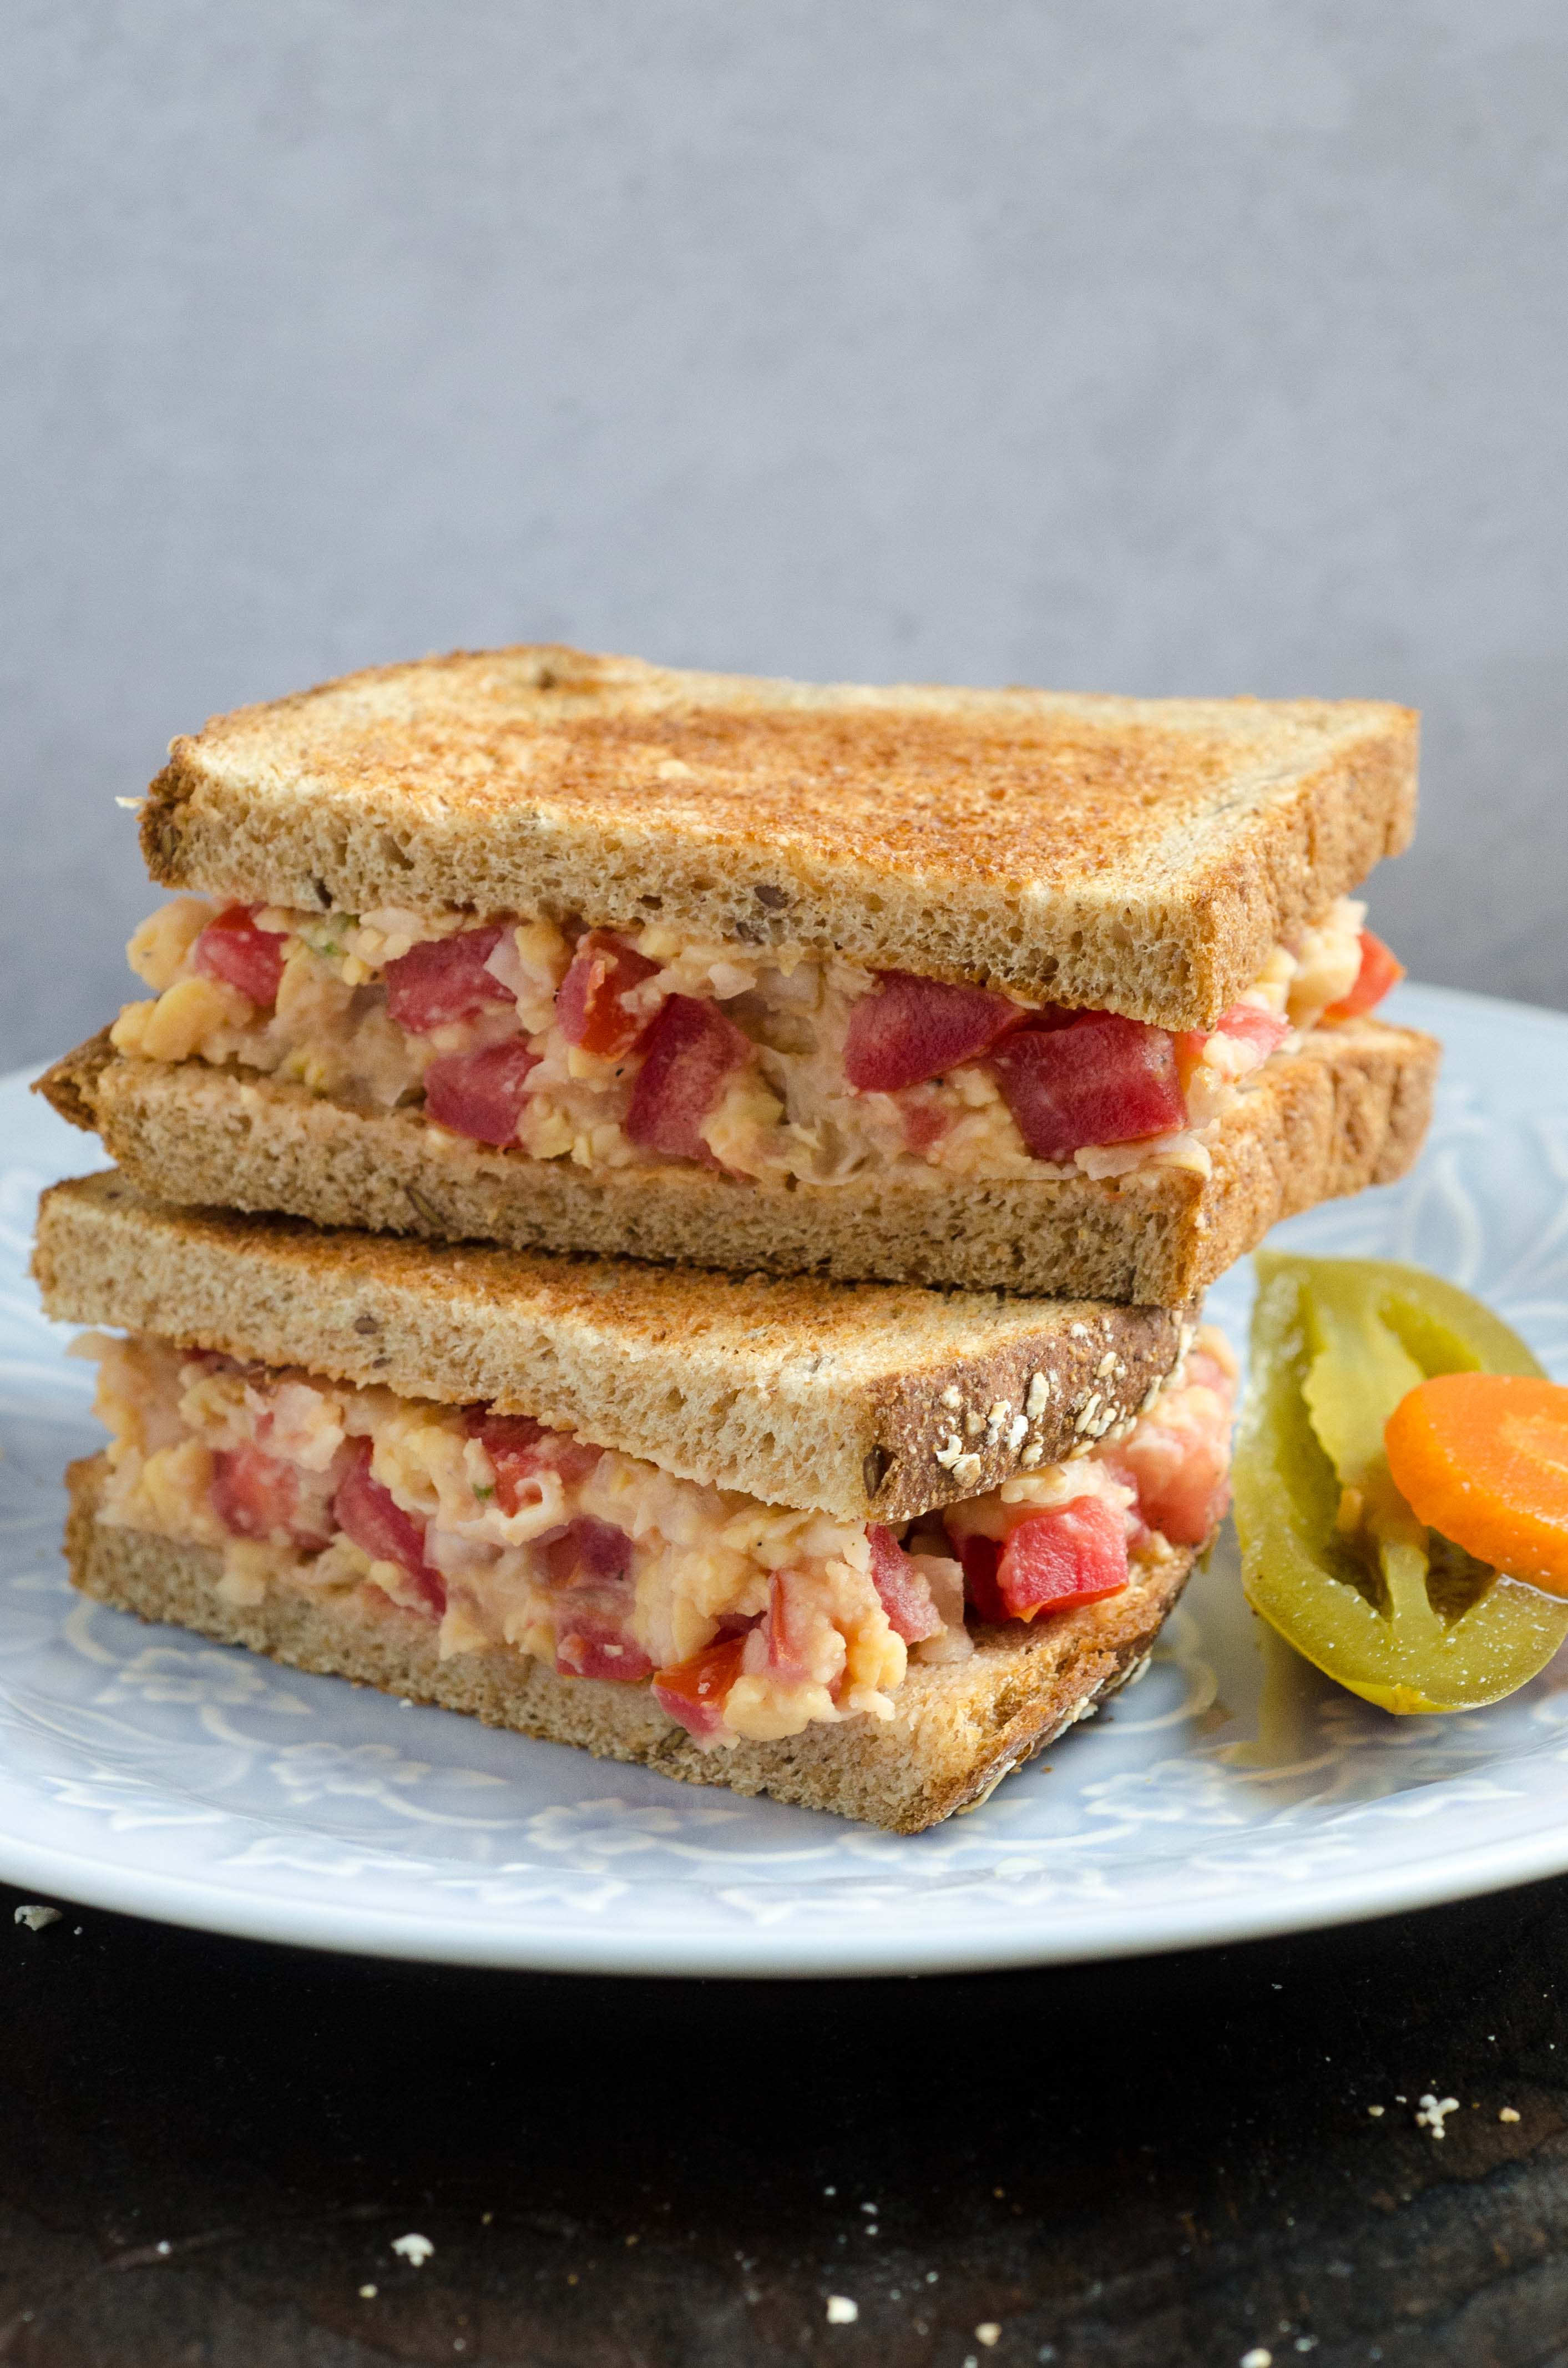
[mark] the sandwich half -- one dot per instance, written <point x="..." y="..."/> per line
<point x="863" y="1548"/>
<point x="1000" y="988"/>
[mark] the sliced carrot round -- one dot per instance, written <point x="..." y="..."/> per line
<point x="1483" y="1458"/>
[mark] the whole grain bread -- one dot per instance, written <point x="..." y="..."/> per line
<point x="1350" y="1108"/>
<point x="1141" y="856"/>
<point x="800" y="1392"/>
<point x="955" y="1731"/>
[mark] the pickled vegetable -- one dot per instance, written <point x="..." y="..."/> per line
<point x="1333" y="1554"/>
<point x="1484" y="1458"/>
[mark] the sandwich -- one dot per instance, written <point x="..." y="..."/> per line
<point x="864" y="1548"/>
<point x="1062" y="995"/>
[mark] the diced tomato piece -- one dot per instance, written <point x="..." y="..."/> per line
<point x="504" y="1434"/>
<point x="231" y="948"/>
<point x="589" y="1645"/>
<point x="257" y="1496"/>
<point x="1379" y="970"/>
<point x="1250" y="1025"/>
<point x="591" y="1553"/>
<point x="481" y="1094"/>
<point x="511" y="1441"/>
<point x="905" y="1596"/>
<point x="688" y="1053"/>
<point x="603" y="1550"/>
<point x="909" y="1029"/>
<point x="1204" y="1367"/>
<point x="925" y="1123"/>
<point x="519" y="1449"/>
<point x="788" y="1629"/>
<point x="444" y="979"/>
<point x="1104" y="1078"/>
<point x="1054" y="1560"/>
<point x="1188" y="1044"/>
<point x="573" y="1458"/>
<point x="980" y="1557"/>
<point x="368" y="1513"/>
<point x="588" y="1004"/>
<point x="1179" y="1461"/>
<point x="694" y="1692"/>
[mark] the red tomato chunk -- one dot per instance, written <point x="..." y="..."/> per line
<point x="231" y="948"/>
<point x="1050" y="1562"/>
<point x="369" y="1514"/>
<point x="980" y="1557"/>
<point x="1249" y="1025"/>
<point x="1379" y="970"/>
<point x="1056" y="1560"/>
<point x="687" y="1054"/>
<point x="903" y="1594"/>
<point x="1102" y="1079"/>
<point x="925" y="1124"/>
<point x="788" y="1629"/>
<point x="589" y="1645"/>
<point x="519" y="1449"/>
<point x="1189" y="1044"/>
<point x="694" y="1692"/>
<point x="257" y="1496"/>
<point x="444" y="979"/>
<point x="511" y="1441"/>
<point x="1177" y="1460"/>
<point x="588" y="1001"/>
<point x="481" y="1094"/>
<point x="910" y="1028"/>
<point x="739" y="1623"/>
<point x="590" y="1551"/>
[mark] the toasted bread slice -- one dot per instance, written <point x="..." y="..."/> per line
<point x="1141" y="856"/>
<point x="1349" y="1109"/>
<point x="799" y="1392"/>
<point x="955" y="1731"/>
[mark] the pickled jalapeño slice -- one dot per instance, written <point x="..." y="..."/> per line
<point x="1332" y="1556"/>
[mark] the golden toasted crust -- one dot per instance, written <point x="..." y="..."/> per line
<point x="1136" y="855"/>
<point x="805" y="1393"/>
<point x="955" y="1731"/>
<point x="1347" y="1111"/>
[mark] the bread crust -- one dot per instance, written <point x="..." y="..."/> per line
<point x="1350" y="1109"/>
<point x="1141" y="856"/>
<point x="823" y="1396"/>
<point x="956" y="1732"/>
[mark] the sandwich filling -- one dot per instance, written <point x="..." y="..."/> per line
<point x="615" y="1049"/>
<point x="747" y="1620"/>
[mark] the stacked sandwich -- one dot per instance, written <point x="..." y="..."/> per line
<point x="668" y="1212"/>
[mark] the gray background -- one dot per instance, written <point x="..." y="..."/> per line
<point x="1192" y="344"/>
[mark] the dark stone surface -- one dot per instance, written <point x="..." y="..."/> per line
<point x="208" y="2147"/>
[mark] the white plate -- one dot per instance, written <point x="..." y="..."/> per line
<point x="144" y="1770"/>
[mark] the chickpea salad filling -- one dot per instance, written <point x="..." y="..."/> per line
<point x="747" y="1620"/>
<point x="615" y="1049"/>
